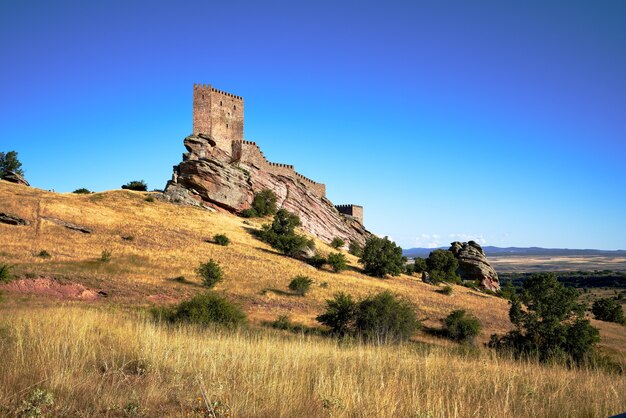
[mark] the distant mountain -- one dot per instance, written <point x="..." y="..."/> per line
<point x="530" y="251"/>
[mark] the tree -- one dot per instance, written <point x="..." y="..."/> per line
<point x="419" y="265"/>
<point x="549" y="322"/>
<point x="337" y="243"/>
<point x="210" y="273"/>
<point x="608" y="309"/>
<point x="355" y="249"/>
<point x="461" y="326"/>
<point x="441" y="266"/>
<point x="137" y="185"/>
<point x="10" y="162"/>
<point x="339" y="315"/>
<point x="264" y="203"/>
<point x="337" y="262"/>
<point x="281" y="234"/>
<point x="381" y="257"/>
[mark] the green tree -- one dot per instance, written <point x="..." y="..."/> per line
<point x="549" y="321"/>
<point x="381" y="257"/>
<point x="337" y="243"/>
<point x="339" y="315"/>
<point x="281" y="234"/>
<point x="337" y="262"/>
<point x="608" y="309"/>
<point x="355" y="249"/>
<point x="264" y="203"/>
<point x="210" y="273"/>
<point x="441" y="266"/>
<point x="10" y="162"/>
<point x="137" y="185"/>
<point x="461" y="326"/>
<point x="419" y="266"/>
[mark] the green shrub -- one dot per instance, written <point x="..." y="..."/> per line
<point x="318" y="261"/>
<point x="550" y="323"/>
<point x="137" y="185"/>
<point x="280" y="234"/>
<point x="210" y="273"/>
<point x="105" y="256"/>
<point x="207" y="308"/>
<point x="337" y="262"/>
<point x="149" y="199"/>
<point x="441" y="266"/>
<point x="381" y="257"/>
<point x="608" y="309"/>
<point x="43" y="254"/>
<point x="300" y="285"/>
<point x="82" y="190"/>
<point x="38" y="403"/>
<point x="5" y="273"/>
<point x="384" y="318"/>
<point x="221" y="239"/>
<point x="461" y="326"/>
<point x="249" y="213"/>
<point x="337" y="243"/>
<point x="355" y="249"/>
<point x="283" y="322"/>
<point x="339" y="315"/>
<point x="264" y="203"/>
<point x="446" y="290"/>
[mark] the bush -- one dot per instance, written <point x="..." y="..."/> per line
<point x="300" y="285"/>
<point x="43" y="254"/>
<point x="384" y="318"/>
<point x="264" y="203"/>
<point x="5" y="273"/>
<point x="461" y="326"/>
<point x="249" y="213"/>
<point x="318" y="261"/>
<point x="210" y="273"/>
<point x="282" y="236"/>
<point x="82" y="190"/>
<point x="10" y="162"/>
<point x="441" y="266"/>
<point x="608" y="309"/>
<point x="337" y="262"/>
<point x="221" y="239"/>
<point x="207" y="308"/>
<point x="446" y="290"/>
<point x="550" y="323"/>
<point x="149" y="199"/>
<point x="105" y="256"/>
<point x="339" y="315"/>
<point x="337" y="243"/>
<point x="409" y="269"/>
<point x="381" y="257"/>
<point x="136" y="185"/>
<point x="355" y="249"/>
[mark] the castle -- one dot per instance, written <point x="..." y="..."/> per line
<point x="219" y="115"/>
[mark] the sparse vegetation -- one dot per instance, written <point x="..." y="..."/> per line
<point x="300" y="285"/>
<point x="38" y="403"/>
<point x="137" y="185"/>
<point x="210" y="273"/>
<point x="44" y="254"/>
<point x="10" y="162"/>
<point x="337" y="262"/>
<point x="355" y="249"/>
<point x="281" y="234"/>
<point x="608" y="309"/>
<point x="461" y="326"/>
<point x="149" y="199"/>
<point x="128" y="238"/>
<point x="82" y="190"/>
<point x="221" y="239"/>
<point x="105" y="255"/>
<point x="441" y="266"/>
<point x="5" y="273"/>
<point x="446" y="290"/>
<point x="381" y="257"/>
<point x="337" y="243"/>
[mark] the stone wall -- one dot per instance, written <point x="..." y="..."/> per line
<point x="218" y="114"/>
<point x="355" y="211"/>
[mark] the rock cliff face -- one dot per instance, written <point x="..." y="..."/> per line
<point x="14" y="177"/>
<point x="473" y="264"/>
<point x="209" y="177"/>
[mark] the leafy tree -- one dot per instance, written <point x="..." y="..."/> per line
<point x="318" y="261"/>
<point x="608" y="309"/>
<point x="461" y="326"/>
<point x="210" y="273"/>
<point x="264" y="203"/>
<point x="300" y="285"/>
<point x="82" y="190"/>
<point x="281" y="234"/>
<point x="339" y="315"/>
<point x="549" y="322"/>
<point x="384" y="318"/>
<point x="441" y="266"/>
<point x="337" y="243"/>
<point x="381" y="257"/>
<point x="419" y="266"/>
<point x="337" y="262"/>
<point x="137" y="185"/>
<point x="355" y="249"/>
<point x="10" y="162"/>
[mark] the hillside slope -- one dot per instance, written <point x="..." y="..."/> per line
<point x="169" y="241"/>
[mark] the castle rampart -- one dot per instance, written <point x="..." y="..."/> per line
<point x="355" y="211"/>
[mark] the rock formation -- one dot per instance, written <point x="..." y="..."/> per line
<point x="209" y="177"/>
<point x="7" y="218"/>
<point x="14" y="177"/>
<point x="473" y="264"/>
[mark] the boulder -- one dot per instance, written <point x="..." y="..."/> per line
<point x="9" y="219"/>
<point x="208" y="176"/>
<point x="14" y="177"/>
<point x="473" y="264"/>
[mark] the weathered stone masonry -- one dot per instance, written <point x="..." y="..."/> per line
<point x="355" y="211"/>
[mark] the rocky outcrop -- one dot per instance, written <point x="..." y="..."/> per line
<point x="473" y="264"/>
<point x="14" y="177"/>
<point x="209" y="177"/>
<point x="7" y="218"/>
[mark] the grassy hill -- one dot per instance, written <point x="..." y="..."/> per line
<point x="74" y="325"/>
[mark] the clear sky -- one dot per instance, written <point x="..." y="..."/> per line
<point x="499" y="121"/>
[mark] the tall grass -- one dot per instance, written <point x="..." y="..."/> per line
<point x="96" y="362"/>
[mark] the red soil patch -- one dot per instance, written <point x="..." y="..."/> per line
<point x="47" y="286"/>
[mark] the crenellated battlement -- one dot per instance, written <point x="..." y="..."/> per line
<point x="354" y="211"/>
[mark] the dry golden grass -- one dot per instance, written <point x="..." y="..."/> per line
<point x="97" y="362"/>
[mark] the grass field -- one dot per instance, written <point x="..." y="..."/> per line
<point x="76" y="326"/>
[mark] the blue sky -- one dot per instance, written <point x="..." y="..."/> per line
<point x="503" y="122"/>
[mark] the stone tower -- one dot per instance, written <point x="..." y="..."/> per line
<point x="217" y="114"/>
